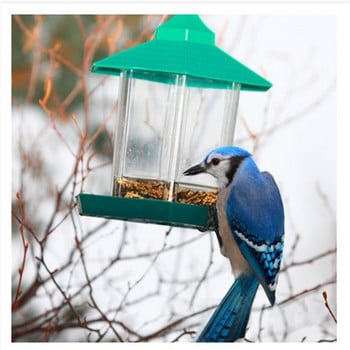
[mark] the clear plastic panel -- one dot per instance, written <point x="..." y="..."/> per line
<point x="161" y="130"/>
<point x="209" y="123"/>
<point x="140" y="130"/>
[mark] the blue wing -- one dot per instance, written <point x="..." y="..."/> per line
<point x="256" y="218"/>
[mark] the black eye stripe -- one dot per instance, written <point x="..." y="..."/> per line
<point x="235" y="163"/>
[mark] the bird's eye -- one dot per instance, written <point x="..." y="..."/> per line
<point x="215" y="161"/>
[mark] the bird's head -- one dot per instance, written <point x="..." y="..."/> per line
<point x="221" y="163"/>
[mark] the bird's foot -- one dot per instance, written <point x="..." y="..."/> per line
<point x="212" y="223"/>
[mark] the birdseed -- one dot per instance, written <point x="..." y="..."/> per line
<point x="159" y="190"/>
<point x="185" y="195"/>
<point x="141" y="189"/>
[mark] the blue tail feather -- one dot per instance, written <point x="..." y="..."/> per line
<point x="229" y="321"/>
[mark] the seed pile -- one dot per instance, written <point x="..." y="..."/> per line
<point x="185" y="195"/>
<point x="142" y="189"/>
<point x="159" y="190"/>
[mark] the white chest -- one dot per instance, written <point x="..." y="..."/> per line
<point x="229" y="248"/>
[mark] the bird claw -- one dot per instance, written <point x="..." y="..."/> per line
<point x="212" y="223"/>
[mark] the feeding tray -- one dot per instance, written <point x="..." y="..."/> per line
<point x="152" y="211"/>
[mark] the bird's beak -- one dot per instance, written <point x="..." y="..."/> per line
<point x="196" y="169"/>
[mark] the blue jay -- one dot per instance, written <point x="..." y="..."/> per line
<point x="251" y="229"/>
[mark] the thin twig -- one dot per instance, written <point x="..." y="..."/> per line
<point x="206" y="271"/>
<point x="18" y="292"/>
<point x="325" y="298"/>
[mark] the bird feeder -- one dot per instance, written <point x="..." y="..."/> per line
<point x="178" y="99"/>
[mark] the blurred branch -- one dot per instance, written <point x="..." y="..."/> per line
<point x="172" y="325"/>
<point x="91" y="293"/>
<point x="309" y="260"/>
<point x="305" y="292"/>
<point x="206" y="271"/>
<point x="18" y="292"/>
<point x="262" y="136"/>
<point x="66" y="298"/>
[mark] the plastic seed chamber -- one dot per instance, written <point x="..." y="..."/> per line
<point x="178" y="99"/>
<point x="164" y="128"/>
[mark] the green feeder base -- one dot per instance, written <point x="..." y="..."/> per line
<point x="145" y="211"/>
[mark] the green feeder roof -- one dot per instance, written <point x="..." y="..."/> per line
<point x="183" y="45"/>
